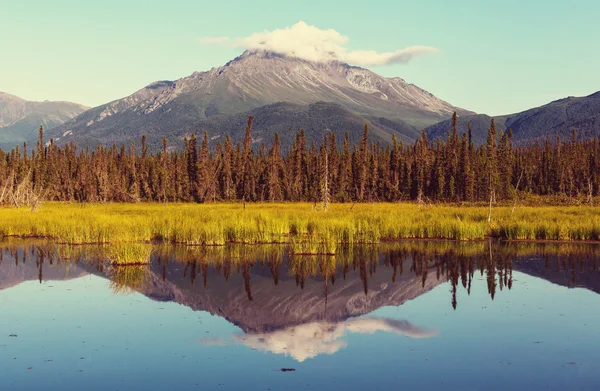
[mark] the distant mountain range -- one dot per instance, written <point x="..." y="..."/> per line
<point x="558" y="118"/>
<point x="21" y="119"/>
<point x="284" y="94"/>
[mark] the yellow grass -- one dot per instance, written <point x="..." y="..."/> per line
<point x="306" y="229"/>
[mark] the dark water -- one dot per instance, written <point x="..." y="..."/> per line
<point x="412" y="315"/>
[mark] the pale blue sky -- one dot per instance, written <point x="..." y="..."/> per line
<point x="495" y="57"/>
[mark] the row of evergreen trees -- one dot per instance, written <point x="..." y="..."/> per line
<point x="450" y="170"/>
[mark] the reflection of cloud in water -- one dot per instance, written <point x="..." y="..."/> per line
<point x="312" y="339"/>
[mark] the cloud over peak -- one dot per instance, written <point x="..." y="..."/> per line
<point x="314" y="44"/>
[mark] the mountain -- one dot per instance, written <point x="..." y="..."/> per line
<point x="21" y="119"/>
<point x="480" y="123"/>
<point x="284" y="118"/>
<point x="558" y="118"/>
<point x="284" y="93"/>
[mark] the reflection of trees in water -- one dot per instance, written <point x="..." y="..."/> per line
<point x="247" y="285"/>
<point x="454" y="262"/>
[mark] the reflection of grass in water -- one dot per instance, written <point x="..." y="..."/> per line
<point x="129" y="254"/>
<point x="116" y="254"/>
<point x="313" y="245"/>
<point x="299" y="224"/>
<point x="128" y="279"/>
<point x="481" y="248"/>
<point x="222" y="257"/>
<point x="237" y="254"/>
<point x="454" y="261"/>
<point x="313" y="265"/>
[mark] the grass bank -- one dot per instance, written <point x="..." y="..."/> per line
<point x="306" y="229"/>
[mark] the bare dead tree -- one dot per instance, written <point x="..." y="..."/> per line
<point x="325" y="186"/>
<point x="517" y="192"/>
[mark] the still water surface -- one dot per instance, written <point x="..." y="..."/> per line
<point x="411" y="315"/>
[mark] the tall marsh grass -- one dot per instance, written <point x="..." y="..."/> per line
<point x="309" y="231"/>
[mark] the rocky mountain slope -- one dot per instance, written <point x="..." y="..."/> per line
<point x="21" y="119"/>
<point x="558" y="118"/>
<point x="251" y="84"/>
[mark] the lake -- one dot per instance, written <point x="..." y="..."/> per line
<point x="407" y="315"/>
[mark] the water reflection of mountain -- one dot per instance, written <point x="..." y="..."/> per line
<point x="298" y="307"/>
<point x="263" y="289"/>
<point x="571" y="272"/>
<point x="260" y="298"/>
<point x="18" y="266"/>
<point x="257" y="296"/>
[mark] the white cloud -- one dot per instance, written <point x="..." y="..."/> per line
<point x="314" y="44"/>
<point x="401" y="56"/>
<point x="312" y="339"/>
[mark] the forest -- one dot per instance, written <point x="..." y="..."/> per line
<point x="453" y="170"/>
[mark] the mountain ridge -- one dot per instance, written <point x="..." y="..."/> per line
<point x="254" y="80"/>
<point x="555" y="119"/>
<point x="20" y="119"/>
